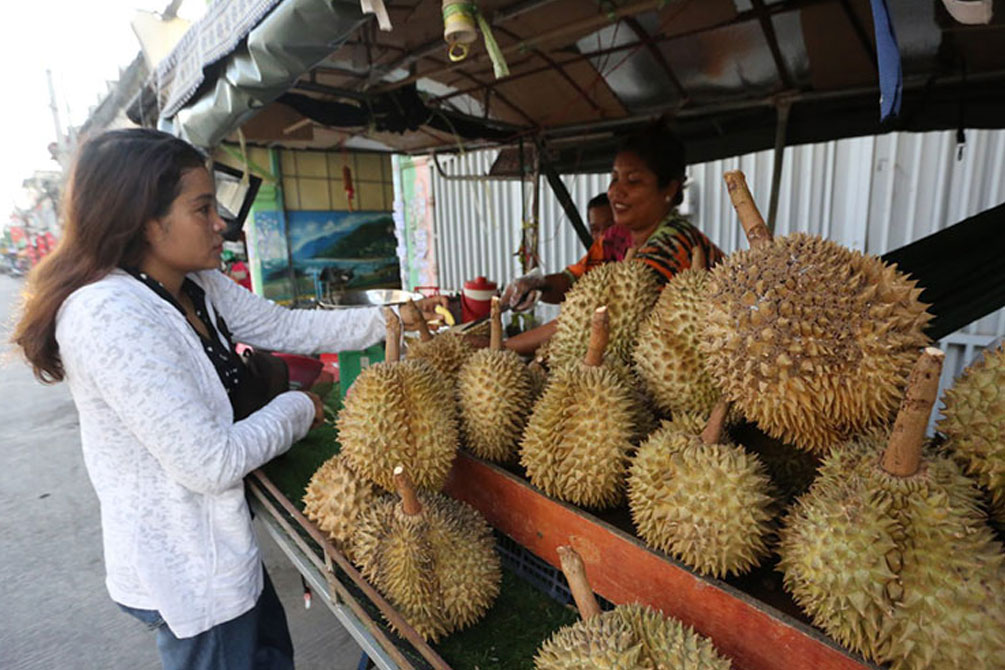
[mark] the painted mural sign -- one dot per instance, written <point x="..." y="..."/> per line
<point x="360" y="245"/>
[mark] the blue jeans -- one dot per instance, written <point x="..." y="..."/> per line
<point x="259" y="639"/>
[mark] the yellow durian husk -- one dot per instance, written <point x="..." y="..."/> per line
<point x="446" y="353"/>
<point x="901" y="569"/>
<point x="579" y="435"/>
<point x="401" y="413"/>
<point x="974" y="424"/>
<point x="438" y="568"/>
<point x="811" y="340"/>
<point x="629" y="637"/>
<point x="334" y="499"/>
<point x="494" y="390"/>
<point x="667" y="356"/>
<point x="628" y="289"/>
<point x="711" y="506"/>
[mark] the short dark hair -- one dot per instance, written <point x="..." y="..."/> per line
<point x="662" y="152"/>
<point x="599" y="200"/>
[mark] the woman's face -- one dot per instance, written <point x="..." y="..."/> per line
<point x="190" y="236"/>
<point x="636" y="198"/>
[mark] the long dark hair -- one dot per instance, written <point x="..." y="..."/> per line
<point x="120" y="180"/>
<point x="663" y="152"/>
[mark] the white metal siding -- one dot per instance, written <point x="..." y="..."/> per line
<point x="870" y="193"/>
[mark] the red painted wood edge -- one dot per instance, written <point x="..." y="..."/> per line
<point x="622" y="569"/>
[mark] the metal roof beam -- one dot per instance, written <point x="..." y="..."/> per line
<point x="768" y="28"/>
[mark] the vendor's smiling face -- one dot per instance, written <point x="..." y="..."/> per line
<point x="636" y="197"/>
<point x="190" y="236"/>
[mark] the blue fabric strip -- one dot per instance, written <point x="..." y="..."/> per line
<point x="891" y="80"/>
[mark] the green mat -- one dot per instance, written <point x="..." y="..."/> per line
<point x="511" y="632"/>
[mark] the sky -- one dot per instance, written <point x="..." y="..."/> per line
<point x="84" y="44"/>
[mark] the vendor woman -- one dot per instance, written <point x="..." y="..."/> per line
<point x="647" y="182"/>
<point x="133" y="313"/>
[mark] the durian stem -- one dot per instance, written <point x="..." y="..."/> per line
<point x="698" y="260"/>
<point x="420" y="320"/>
<point x="575" y="574"/>
<point x="392" y="345"/>
<point x="598" y="337"/>
<point x="406" y="489"/>
<point x="751" y="219"/>
<point x="630" y="254"/>
<point x="716" y="423"/>
<point x="903" y="451"/>
<point x="495" y="332"/>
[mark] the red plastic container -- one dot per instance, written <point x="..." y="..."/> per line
<point x="476" y="299"/>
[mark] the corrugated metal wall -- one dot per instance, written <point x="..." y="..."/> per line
<point x="871" y="193"/>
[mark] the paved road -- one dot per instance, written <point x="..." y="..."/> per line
<point x="54" y="610"/>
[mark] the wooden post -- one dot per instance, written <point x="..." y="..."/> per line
<point x="406" y="489"/>
<point x="751" y="219"/>
<point x="598" y="337"/>
<point x="495" y="325"/>
<point x="392" y="345"/>
<point x="716" y="423"/>
<point x="420" y="320"/>
<point x="903" y="451"/>
<point x="575" y="574"/>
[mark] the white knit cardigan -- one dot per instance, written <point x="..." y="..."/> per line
<point x="160" y="444"/>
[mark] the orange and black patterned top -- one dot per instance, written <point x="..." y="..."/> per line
<point x="668" y="249"/>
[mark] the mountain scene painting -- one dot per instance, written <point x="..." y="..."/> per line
<point x="361" y="244"/>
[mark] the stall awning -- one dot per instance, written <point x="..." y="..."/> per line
<point x="580" y="74"/>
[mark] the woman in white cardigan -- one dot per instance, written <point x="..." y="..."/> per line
<point x="132" y="312"/>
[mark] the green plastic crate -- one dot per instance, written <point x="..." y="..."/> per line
<point x="351" y="363"/>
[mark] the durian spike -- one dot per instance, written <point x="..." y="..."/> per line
<point x="495" y="333"/>
<point x="716" y="423"/>
<point x="575" y="574"/>
<point x="392" y="345"/>
<point x="698" y="260"/>
<point x="416" y="313"/>
<point x="630" y="254"/>
<point x="599" y="335"/>
<point x="406" y="489"/>
<point x="902" y="457"/>
<point x="750" y="218"/>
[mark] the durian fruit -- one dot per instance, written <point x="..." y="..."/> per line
<point x="889" y="553"/>
<point x="334" y="499"/>
<point x="538" y="377"/>
<point x="792" y="470"/>
<point x="431" y="556"/>
<point x="399" y="412"/>
<point x="580" y="432"/>
<point x="629" y="637"/>
<point x="703" y="500"/>
<point x="628" y="289"/>
<point x="811" y="340"/>
<point x="494" y="390"/>
<point x="974" y="424"/>
<point x="667" y="357"/>
<point x="446" y="352"/>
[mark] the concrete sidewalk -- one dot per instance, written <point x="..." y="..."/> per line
<point x="55" y="610"/>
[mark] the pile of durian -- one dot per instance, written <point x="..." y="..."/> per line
<point x="432" y="557"/>
<point x="777" y="376"/>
